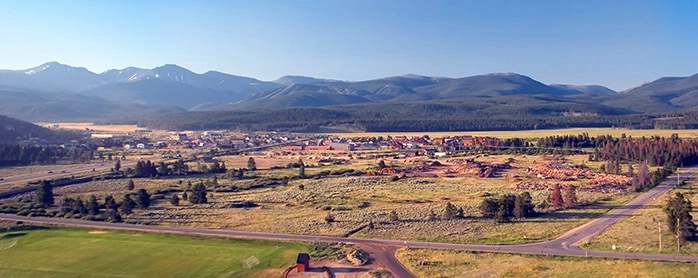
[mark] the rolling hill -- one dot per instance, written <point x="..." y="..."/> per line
<point x="667" y="94"/>
<point x="13" y="130"/>
<point x="406" y="88"/>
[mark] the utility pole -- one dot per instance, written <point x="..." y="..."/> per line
<point x="659" y="224"/>
<point x="678" y="236"/>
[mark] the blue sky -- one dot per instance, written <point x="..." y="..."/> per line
<point x="615" y="43"/>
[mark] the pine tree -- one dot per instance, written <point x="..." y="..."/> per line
<point x="570" y="196"/>
<point x="44" y="194"/>
<point x="251" y="165"/>
<point x="489" y="207"/>
<point x="117" y="165"/>
<point x="130" y="185"/>
<point x="127" y="204"/>
<point x="198" y="195"/>
<point x="556" y="197"/>
<point x="79" y="207"/>
<point x="112" y="209"/>
<point x="679" y="219"/>
<point x="381" y="164"/>
<point x="451" y="211"/>
<point x="519" y="207"/>
<point x="301" y="171"/>
<point x="143" y="199"/>
<point x="502" y="216"/>
<point x="174" y="200"/>
<point x="644" y="177"/>
<point x="185" y="196"/>
<point x="329" y="218"/>
<point x="92" y="205"/>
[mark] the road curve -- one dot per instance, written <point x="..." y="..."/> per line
<point x="565" y="245"/>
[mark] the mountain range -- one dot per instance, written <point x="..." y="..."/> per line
<point x="58" y="92"/>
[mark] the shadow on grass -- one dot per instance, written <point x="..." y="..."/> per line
<point x="13" y="235"/>
<point x="24" y="228"/>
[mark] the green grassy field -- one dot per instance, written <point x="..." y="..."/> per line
<point x="616" y="132"/>
<point x="67" y="252"/>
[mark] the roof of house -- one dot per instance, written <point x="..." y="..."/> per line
<point x="303" y="258"/>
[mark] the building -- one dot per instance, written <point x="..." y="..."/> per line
<point x="303" y="262"/>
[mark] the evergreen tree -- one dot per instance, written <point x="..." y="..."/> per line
<point x="130" y="185"/>
<point x="644" y="177"/>
<point x="185" y="196"/>
<point x="44" y="194"/>
<point x="79" y="207"/>
<point x="329" y="218"/>
<point x="451" y="211"/>
<point x="117" y="165"/>
<point x="66" y="206"/>
<point x="127" y="204"/>
<point x="162" y="169"/>
<point x="142" y="199"/>
<point x="198" y="195"/>
<point x="301" y="171"/>
<point x="174" y="200"/>
<point x="523" y="206"/>
<point x="112" y="209"/>
<point x="489" y="207"/>
<point x="679" y="219"/>
<point x="381" y="164"/>
<point x="556" y="197"/>
<point x="570" y="199"/>
<point x="502" y="216"/>
<point x="92" y="205"/>
<point x="251" y="165"/>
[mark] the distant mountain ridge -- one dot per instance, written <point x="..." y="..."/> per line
<point x="406" y="88"/>
<point x="60" y="92"/>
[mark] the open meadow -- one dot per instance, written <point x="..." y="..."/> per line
<point x="94" y="127"/>
<point x="67" y="252"/>
<point x="593" y="132"/>
<point x="640" y="232"/>
<point x="445" y="263"/>
<point x="361" y="201"/>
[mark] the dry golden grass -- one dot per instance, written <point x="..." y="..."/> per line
<point x="33" y="169"/>
<point x="354" y="201"/>
<point x="616" y="132"/>
<point x="640" y="232"/>
<point x="92" y="126"/>
<point x="443" y="263"/>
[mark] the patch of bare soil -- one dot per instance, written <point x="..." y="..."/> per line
<point x="338" y="269"/>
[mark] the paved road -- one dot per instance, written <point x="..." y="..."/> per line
<point x="565" y="245"/>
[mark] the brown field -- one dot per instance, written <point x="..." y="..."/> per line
<point x="616" y="132"/>
<point x="356" y="200"/>
<point x="640" y="232"/>
<point x="26" y="170"/>
<point x="92" y="126"/>
<point x="443" y="263"/>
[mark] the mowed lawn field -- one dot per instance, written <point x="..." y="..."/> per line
<point x="615" y="132"/>
<point x="68" y="252"/>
